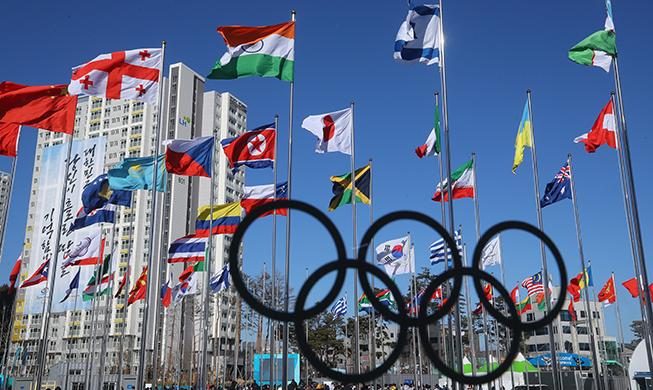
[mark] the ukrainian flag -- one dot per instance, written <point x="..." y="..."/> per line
<point x="523" y="138"/>
<point x="226" y="218"/>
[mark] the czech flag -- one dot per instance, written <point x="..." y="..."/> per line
<point x="190" y="157"/>
<point x="226" y="218"/>
<point x="255" y="196"/>
<point x="254" y="149"/>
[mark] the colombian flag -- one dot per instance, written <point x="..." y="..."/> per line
<point x="226" y="218"/>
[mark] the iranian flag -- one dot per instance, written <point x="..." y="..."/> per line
<point x="463" y="183"/>
<point x="267" y="51"/>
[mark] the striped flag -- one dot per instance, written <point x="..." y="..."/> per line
<point x="339" y="308"/>
<point x="437" y="249"/>
<point x="418" y="38"/>
<point x="187" y="249"/>
<point x="220" y="281"/>
<point x="533" y="284"/>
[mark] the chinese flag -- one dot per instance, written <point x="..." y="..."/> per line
<point x="607" y="293"/>
<point x="631" y="286"/>
<point x="47" y="107"/>
<point x="8" y="139"/>
<point x="571" y="310"/>
<point x="138" y="291"/>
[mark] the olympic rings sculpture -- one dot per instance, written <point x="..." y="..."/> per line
<point x="342" y="263"/>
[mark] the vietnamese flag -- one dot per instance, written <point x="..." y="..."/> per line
<point x="47" y="107"/>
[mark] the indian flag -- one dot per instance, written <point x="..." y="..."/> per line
<point x="463" y="183"/>
<point x="267" y="51"/>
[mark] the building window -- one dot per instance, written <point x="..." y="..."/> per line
<point x="584" y="346"/>
<point x="566" y="329"/>
<point x="581" y="330"/>
<point x="529" y="317"/>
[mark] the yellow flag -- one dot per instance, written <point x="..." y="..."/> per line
<point x="523" y="138"/>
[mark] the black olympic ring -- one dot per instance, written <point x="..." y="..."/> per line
<point x="424" y="318"/>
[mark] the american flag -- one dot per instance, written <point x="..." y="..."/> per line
<point x="534" y="284"/>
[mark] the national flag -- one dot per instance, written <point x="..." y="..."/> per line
<point x="533" y="284"/>
<point x="432" y="145"/>
<point x="386" y="298"/>
<point x="190" y="157"/>
<point x="195" y="267"/>
<point x="463" y="183"/>
<point x="221" y="280"/>
<point x="604" y="131"/>
<point x="123" y="283"/>
<point x="47" y="107"/>
<point x="413" y="305"/>
<point x="571" y="310"/>
<point x="559" y="188"/>
<point x="74" y="283"/>
<point x="106" y="280"/>
<point x="135" y="173"/>
<point x="364" y="304"/>
<point x="587" y="280"/>
<point x="541" y="302"/>
<point x="574" y="289"/>
<point x="333" y="131"/>
<point x="89" y="250"/>
<point x="130" y="74"/>
<point x="608" y="292"/>
<point x="255" y="196"/>
<point x="339" y="308"/>
<point x="41" y="275"/>
<point x="138" y="290"/>
<point x="491" y="254"/>
<point x="186" y="249"/>
<point x="596" y="50"/>
<point x="185" y="287"/>
<point x="226" y="218"/>
<point x="632" y="287"/>
<point x="255" y="148"/>
<point x="97" y="194"/>
<point x="524" y="306"/>
<point x="437" y="249"/>
<point x="267" y="51"/>
<point x="609" y="24"/>
<point x="523" y="138"/>
<point x="488" y="294"/>
<point x="9" y="139"/>
<point x="15" y="272"/>
<point x="166" y="294"/>
<point x="342" y="188"/>
<point x="395" y="256"/>
<point x="105" y="214"/>
<point x="418" y="38"/>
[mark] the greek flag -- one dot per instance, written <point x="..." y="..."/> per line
<point x="220" y="281"/>
<point x="437" y="249"/>
<point x="340" y="307"/>
<point x="418" y="38"/>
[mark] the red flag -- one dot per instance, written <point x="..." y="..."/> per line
<point x="124" y="281"/>
<point x="571" y="310"/>
<point x="574" y="287"/>
<point x="631" y="286"/>
<point x="607" y="293"/>
<point x="47" y="107"/>
<point x="166" y="294"/>
<point x="603" y="131"/>
<point x="14" y="274"/>
<point x="513" y="295"/>
<point x="254" y="149"/>
<point x="138" y="291"/>
<point x="9" y="139"/>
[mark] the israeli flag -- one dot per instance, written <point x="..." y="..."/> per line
<point x="339" y="308"/>
<point x="418" y="38"/>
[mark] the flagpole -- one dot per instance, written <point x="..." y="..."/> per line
<point x="286" y="305"/>
<point x="621" y="330"/>
<point x="470" y="322"/>
<point x="65" y="383"/>
<point x="413" y="305"/>
<point x="503" y="281"/>
<point x="545" y="276"/>
<point x="9" y="335"/>
<point x="273" y="280"/>
<point x="40" y="358"/>
<point x="108" y="307"/>
<point x="371" y="259"/>
<point x="88" y="378"/>
<point x="126" y="290"/>
<point x="585" y="276"/>
<point x="140" y="382"/>
<point x="11" y="186"/>
<point x="632" y="216"/>
<point x="355" y="240"/>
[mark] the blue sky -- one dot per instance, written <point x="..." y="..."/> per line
<point x="494" y="52"/>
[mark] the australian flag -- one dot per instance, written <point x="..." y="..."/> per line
<point x="559" y="188"/>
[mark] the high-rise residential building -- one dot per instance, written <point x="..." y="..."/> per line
<point x="5" y="183"/>
<point x="129" y="128"/>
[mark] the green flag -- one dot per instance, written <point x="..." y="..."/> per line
<point x="595" y="50"/>
<point x="342" y="188"/>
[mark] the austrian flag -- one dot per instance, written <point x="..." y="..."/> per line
<point x="131" y="74"/>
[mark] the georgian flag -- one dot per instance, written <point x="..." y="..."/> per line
<point x="130" y="74"/>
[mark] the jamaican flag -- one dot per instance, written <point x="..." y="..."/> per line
<point x="342" y="188"/>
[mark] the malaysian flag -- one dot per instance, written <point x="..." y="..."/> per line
<point x="340" y="307"/>
<point x="187" y="249"/>
<point x="437" y="249"/>
<point x="533" y="284"/>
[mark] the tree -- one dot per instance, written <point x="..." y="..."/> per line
<point x="323" y="333"/>
<point x="637" y="327"/>
<point x="6" y="322"/>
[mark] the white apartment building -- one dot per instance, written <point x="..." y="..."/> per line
<point x="5" y="183"/>
<point x="129" y="128"/>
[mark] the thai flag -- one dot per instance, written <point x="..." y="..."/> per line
<point x="187" y="249"/>
<point x="41" y="275"/>
<point x="190" y="157"/>
<point x="255" y="196"/>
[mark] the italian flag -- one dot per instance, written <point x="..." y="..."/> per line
<point x="267" y="51"/>
<point x="463" y="183"/>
